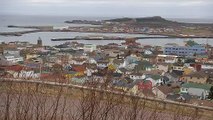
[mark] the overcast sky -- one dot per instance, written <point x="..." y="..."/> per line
<point x="110" y="8"/>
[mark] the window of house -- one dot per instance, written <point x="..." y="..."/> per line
<point x="182" y="89"/>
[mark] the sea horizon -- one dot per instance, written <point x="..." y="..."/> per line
<point x="178" y="19"/>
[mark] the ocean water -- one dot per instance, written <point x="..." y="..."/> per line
<point x="192" y="20"/>
<point x="58" y="21"/>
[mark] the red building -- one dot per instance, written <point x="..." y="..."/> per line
<point x="145" y="85"/>
<point x="131" y="42"/>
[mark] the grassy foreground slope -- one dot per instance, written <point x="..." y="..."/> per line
<point x="44" y="102"/>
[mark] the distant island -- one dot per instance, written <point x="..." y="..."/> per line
<point x="148" y="21"/>
<point x="148" y="25"/>
<point x="153" y="25"/>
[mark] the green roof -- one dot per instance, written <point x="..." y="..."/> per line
<point x="145" y="81"/>
<point x="155" y="77"/>
<point x="145" y="63"/>
<point x="197" y="85"/>
<point x="78" y="80"/>
<point x="202" y="56"/>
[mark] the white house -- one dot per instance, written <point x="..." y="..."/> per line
<point x="155" y="79"/>
<point x="5" y="62"/>
<point x="12" y="55"/>
<point x="136" y="76"/>
<point x="167" y="58"/>
<point x="11" y="51"/>
<point x="89" y="48"/>
<point x="195" y="89"/>
<point x="26" y="74"/>
<point x="207" y="66"/>
<point x="14" y="58"/>
<point x="178" y="68"/>
<point x="102" y="64"/>
<point x="164" y="67"/>
<point x="148" y="52"/>
<point x="77" y="61"/>
<point x="92" y="61"/>
<point x="90" y="71"/>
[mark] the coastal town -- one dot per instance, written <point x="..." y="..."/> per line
<point x="106" y="60"/>
<point x="171" y="72"/>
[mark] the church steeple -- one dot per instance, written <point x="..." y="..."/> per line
<point x="39" y="42"/>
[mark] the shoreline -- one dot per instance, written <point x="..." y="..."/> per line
<point x="51" y="29"/>
<point x="20" y="33"/>
<point x="124" y="38"/>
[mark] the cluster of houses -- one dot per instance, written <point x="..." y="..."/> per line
<point x="121" y="28"/>
<point x="143" y="70"/>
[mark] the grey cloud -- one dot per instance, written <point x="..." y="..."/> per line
<point x="167" y="8"/>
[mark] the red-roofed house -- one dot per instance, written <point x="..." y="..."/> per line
<point x="145" y="85"/>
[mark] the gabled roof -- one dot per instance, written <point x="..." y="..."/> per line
<point x="179" y="97"/>
<point x="165" y="89"/>
<point x="153" y="72"/>
<point x="145" y="63"/>
<point x="176" y="73"/>
<point x="14" y="68"/>
<point x="122" y="83"/>
<point x="197" y="74"/>
<point x="78" y="68"/>
<point x="148" y="56"/>
<point x="148" y="93"/>
<point x="14" y="55"/>
<point x="117" y="61"/>
<point x="116" y="75"/>
<point x="122" y="69"/>
<point x="154" y="77"/>
<point x="197" y="85"/>
<point x="11" y="49"/>
<point x="208" y="72"/>
<point x="136" y="74"/>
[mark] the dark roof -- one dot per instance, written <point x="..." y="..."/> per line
<point x="179" y="97"/>
<point x="122" y="83"/>
<point x="165" y="89"/>
<point x="128" y="79"/>
<point x="148" y="93"/>
<point x="116" y="74"/>
<point x="123" y="70"/>
<point x="117" y="61"/>
<point x="208" y="72"/>
<point x="177" y="73"/>
<point x="197" y="74"/>
<point x="136" y="74"/>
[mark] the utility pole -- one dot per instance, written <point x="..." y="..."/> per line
<point x="40" y="70"/>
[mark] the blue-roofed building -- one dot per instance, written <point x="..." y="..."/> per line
<point x="174" y="49"/>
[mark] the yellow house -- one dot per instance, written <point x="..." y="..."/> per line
<point x="196" y="77"/>
<point x="121" y="88"/>
<point x="30" y="56"/>
<point x="187" y="71"/>
<point x="134" y="90"/>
